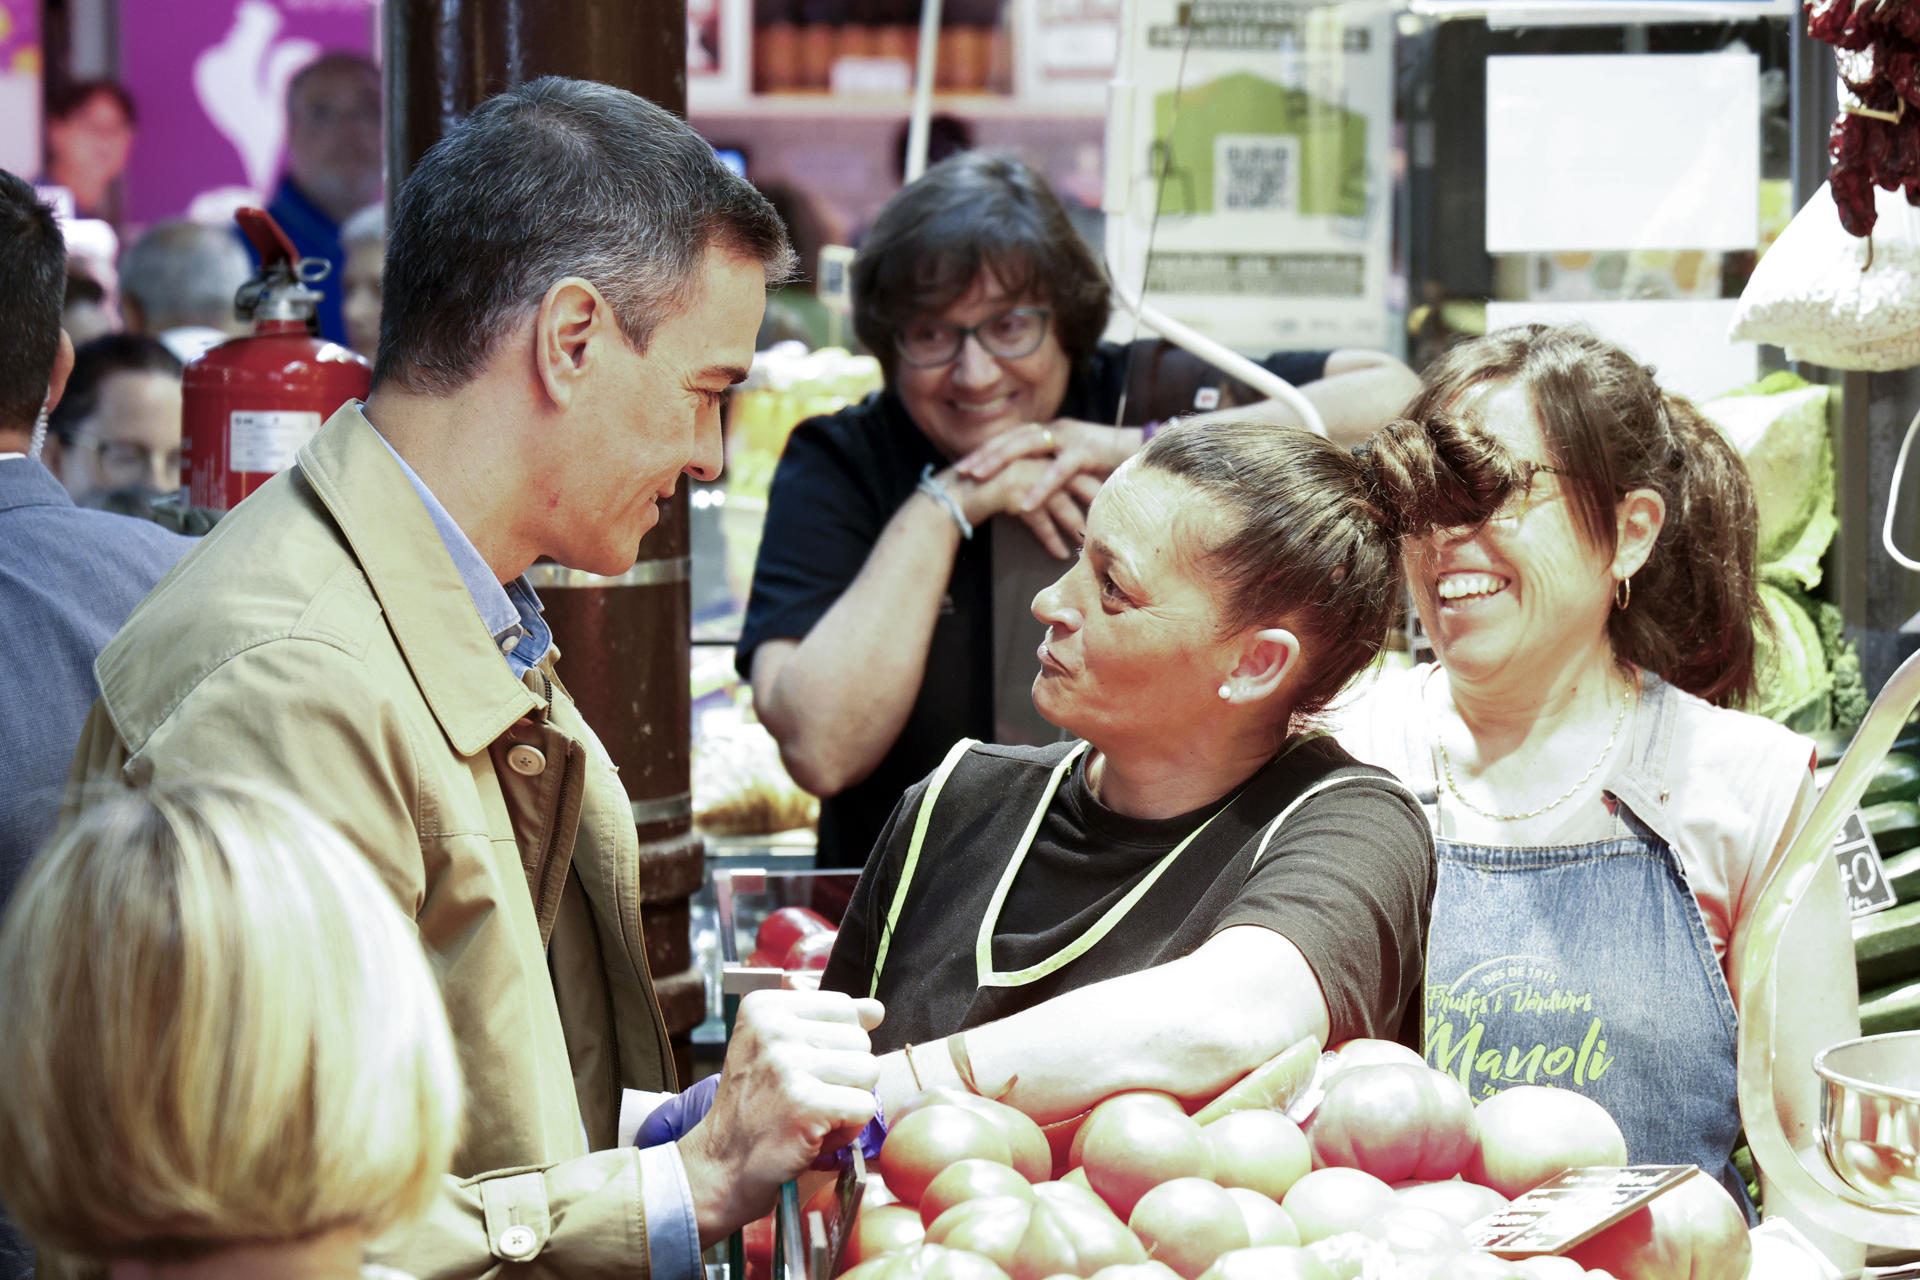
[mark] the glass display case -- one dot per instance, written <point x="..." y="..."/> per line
<point x="748" y="880"/>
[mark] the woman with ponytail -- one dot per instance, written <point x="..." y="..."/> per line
<point x="1195" y="879"/>
<point x="1604" y="819"/>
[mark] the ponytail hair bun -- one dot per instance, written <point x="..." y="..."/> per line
<point x="1311" y="541"/>
<point x="1440" y="473"/>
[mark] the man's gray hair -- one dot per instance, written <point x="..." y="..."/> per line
<point x="185" y="273"/>
<point x="551" y="179"/>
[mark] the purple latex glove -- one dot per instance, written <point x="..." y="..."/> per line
<point x="672" y="1119"/>
<point x="868" y="1140"/>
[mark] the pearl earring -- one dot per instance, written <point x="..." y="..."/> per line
<point x="1226" y="692"/>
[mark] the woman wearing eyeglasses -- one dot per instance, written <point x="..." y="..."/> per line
<point x="869" y="636"/>
<point x="1604" y="820"/>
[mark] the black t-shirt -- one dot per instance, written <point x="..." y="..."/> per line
<point x="840" y="479"/>
<point x="1347" y="877"/>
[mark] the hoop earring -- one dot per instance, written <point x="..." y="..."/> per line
<point x="1623" y="592"/>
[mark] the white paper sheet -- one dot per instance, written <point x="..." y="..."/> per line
<point x="1685" y="341"/>
<point x="1623" y="151"/>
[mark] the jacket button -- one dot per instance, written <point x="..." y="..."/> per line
<point x="527" y="761"/>
<point x="517" y="1243"/>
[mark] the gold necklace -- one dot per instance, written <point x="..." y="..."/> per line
<point x="1446" y="767"/>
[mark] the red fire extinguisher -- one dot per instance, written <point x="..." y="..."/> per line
<point x="252" y="402"/>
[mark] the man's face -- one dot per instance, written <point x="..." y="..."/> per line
<point x="641" y="420"/>
<point x="333" y="137"/>
<point x="360" y="295"/>
<point x="131" y="441"/>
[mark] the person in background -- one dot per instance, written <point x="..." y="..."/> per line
<point x="573" y="281"/>
<point x="870" y="632"/>
<point x="364" y="238"/>
<point x="1200" y="878"/>
<point x="177" y="284"/>
<point x="794" y="310"/>
<point x="118" y="426"/>
<point x="947" y="136"/>
<point x="68" y="577"/>
<point x="226" y="1053"/>
<point x="1601" y="810"/>
<point x="85" y="313"/>
<point x="333" y="166"/>
<point x="90" y="126"/>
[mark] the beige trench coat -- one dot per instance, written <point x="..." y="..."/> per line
<point x="320" y="639"/>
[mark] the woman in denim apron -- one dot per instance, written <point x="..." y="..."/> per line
<point x="1602" y="820"/>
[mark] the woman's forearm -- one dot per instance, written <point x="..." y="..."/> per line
<point x="1190" y="1027"/>
<point x="837" y="700"/>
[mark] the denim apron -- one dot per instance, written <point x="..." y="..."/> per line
<point x="1588" y="967"/>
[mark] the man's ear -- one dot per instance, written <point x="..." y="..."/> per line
<point x="62" y="369"/>
<point x="1638" y="519"/>
<point x="1267" y="659"/>
<point x="573" y="318"/>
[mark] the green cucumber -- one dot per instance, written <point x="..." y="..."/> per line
<point x="1894" y="825"/>
<point x="1886" y="947"/>
<point x="1830" y="744"/>
<point x="1903" y="873"/>
<point x="1894" y="1008"/>
<point x="1897" y="778"/>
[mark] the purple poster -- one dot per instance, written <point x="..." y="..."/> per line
<point x="210" y="80"/>
<point x="20" y="37"/>
<point x="20" y="86"/>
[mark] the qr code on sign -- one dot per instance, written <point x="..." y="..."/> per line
<point x="1256" y="173"/>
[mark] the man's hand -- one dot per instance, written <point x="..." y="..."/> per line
<point x="1059" y="520"/>
<point x="1069" y="447"/>
<point x="797" y="1082"/>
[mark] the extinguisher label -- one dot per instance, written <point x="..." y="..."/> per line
<point x="267" y="439"/>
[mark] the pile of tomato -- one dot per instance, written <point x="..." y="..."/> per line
<point x="1394" y="1163"/>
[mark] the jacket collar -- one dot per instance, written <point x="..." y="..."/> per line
<point x="25" y="482"/>
<point x="460" y="672"/>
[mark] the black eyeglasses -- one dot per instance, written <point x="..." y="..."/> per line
<point x="929" y="344"/>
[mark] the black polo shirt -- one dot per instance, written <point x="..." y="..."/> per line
<point x="840" y="479"/>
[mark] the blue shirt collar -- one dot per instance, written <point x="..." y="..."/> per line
<point x="511" y="613"/>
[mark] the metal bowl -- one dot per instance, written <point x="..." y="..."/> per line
<point x="1870" y="1115"/>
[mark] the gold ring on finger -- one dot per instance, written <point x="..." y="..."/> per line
<point x="1046" y="439"/>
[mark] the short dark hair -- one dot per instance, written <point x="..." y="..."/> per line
<point x="551" y="179"/>
<point x="946" y="136"/>
<point x="65" y="99"/>
<point x="1610" y="429"/>
<point x="1313" y="532"/>
<point x="33" y="287"/>
<point x="93" y="364"/>
<point x="978" y="211"/>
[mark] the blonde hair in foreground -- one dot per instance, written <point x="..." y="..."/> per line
<point x="220" y="1030"/>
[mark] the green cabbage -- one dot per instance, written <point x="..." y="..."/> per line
<point x="1796" y="680"/>
<point x="1779" y="426"/>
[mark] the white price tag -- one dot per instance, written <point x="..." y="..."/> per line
<point x="1862" y="874"/>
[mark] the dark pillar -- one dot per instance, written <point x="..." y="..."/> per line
<point x="623" y="640"/>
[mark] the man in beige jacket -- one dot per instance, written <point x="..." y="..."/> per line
<point x="572" y="282"/>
